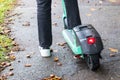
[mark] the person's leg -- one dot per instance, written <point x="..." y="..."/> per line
<point x="44" y="26"/>
<point x="44" y="23"/>
<point x="73" y="16"/>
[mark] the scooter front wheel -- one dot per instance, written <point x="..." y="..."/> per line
<point x="92" y="61"/>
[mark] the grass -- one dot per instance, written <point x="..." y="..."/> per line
<point x="5" y="5"/>
<point x="5" y="46"/>
<point x="5" y="41"/>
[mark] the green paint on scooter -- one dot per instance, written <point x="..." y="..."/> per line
<point x="69" y="36"/>
<point x="71" y="40"/>
<point x="64" y="9"/>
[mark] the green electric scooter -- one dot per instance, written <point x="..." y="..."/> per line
<point x="84" y="41"/>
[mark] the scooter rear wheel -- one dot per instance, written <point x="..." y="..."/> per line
<point x="92" y="61"/>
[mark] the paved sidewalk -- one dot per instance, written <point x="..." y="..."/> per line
<point x="105" y="18"/>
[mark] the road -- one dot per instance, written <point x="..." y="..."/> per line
<point x="104" y="16"/>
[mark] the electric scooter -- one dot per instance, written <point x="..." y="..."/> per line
<point x="84" y="41"/>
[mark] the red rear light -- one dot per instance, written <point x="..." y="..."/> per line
<point x="91" y="40"/>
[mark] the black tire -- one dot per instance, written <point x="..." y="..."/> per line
<point x="93" y="61"/>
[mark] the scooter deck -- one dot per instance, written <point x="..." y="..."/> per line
<point x="70" y="38"/>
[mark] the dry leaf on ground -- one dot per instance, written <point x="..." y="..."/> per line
<point x="61" y="44"/>
<point x="28" y="56"/>
<point x="10" y="73"/>
<point x="12" y="57"/>
<point x="8" y="64"/>
<point x="15" y="43"/>
<point x="52" y="77"/>
<point x="3" y="77"/>
<point x="11" y="68"/>
<point x="11" y="52"/>
<point x="59" y="64"/>
<point x="56" y="59"/>
<point x="113" y="0"/>
<point x="16" y="48"/>
<point x="7" y="31"/>
<point x="112" y="54"/>
<point x="113" y="50"/>
<point x="28" y="65"/>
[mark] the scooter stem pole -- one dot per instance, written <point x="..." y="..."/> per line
<point x="71" y="12"/>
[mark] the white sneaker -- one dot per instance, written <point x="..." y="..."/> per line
<point x="44" y="52"/>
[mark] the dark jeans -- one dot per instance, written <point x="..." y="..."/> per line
<point x="44" y="19"/>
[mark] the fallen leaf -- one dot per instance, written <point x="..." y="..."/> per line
<point x="10" y="73"/>
<point x="113" y="0"/>
<point x="59" y="64"/>
<point x="61" y="44"/>
<point x="3" y="63"/>
<point x="15" y="43"/>
<point x="28" y="56"/>
<point x="9" y="20"/>
<point x="11" y="68"/>
<point x="113" y="50"/>
<point x="7" y="31"/>
<point x="8" y="64"/>
<point x="28" y="65"/>
<point x="12" y="38"/>
<point x="12" y="57"/>
<point x="3" y="77"/>
<point x="56" y="59"/>
<point x="112" y="54"/>
<point x="12" y="52"/>
<point x="52" y="76"/>
<point x="16" y="48"/>
<point x="58" y="78"/>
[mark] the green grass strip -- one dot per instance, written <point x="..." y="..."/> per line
<point x="5" y="41"/>
<point x="4" y="6"/>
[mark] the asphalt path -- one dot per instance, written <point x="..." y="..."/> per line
<point x="104" y="16"/>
